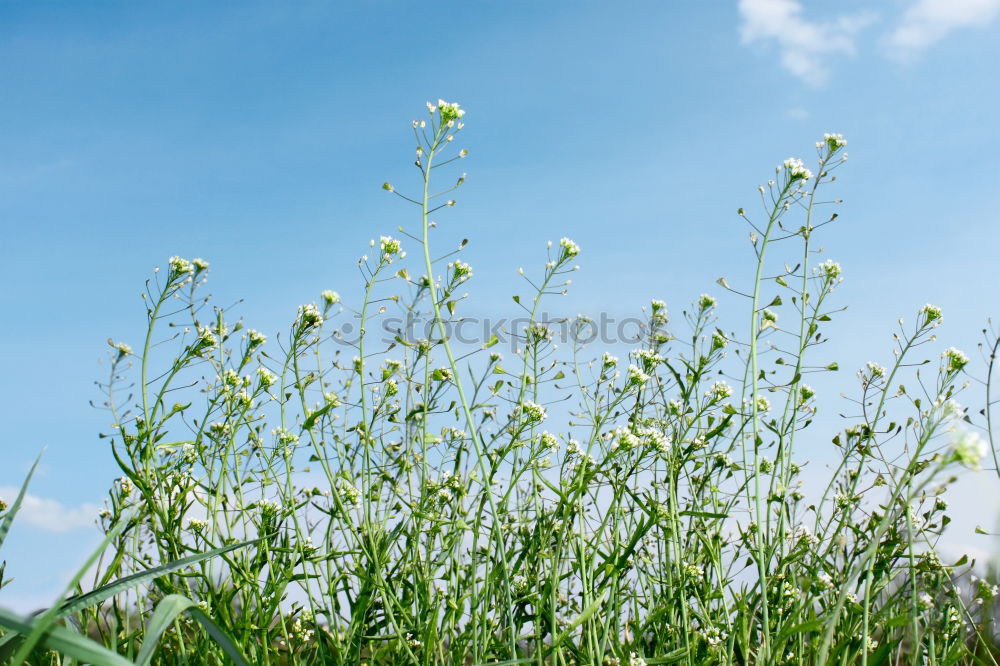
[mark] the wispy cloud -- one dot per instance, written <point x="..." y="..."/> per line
<point x="805" y="45"/>
<point x="928" y="21"/>
<point x="48" y="514"/>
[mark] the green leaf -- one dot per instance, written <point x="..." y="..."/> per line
<point x="94" y="597"/>
<point x="63" y="640"/>
<point x="9" y="517"/>
<point x="703" y="514"/>
<point x="317" y="415"/>
<point x="219" y="636"/>
<point x="583" y="617"/>
<point x="166" y="612"/>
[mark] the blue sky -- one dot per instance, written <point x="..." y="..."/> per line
<point x="257" y="136"/>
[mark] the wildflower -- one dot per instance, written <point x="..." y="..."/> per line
<point x="806" y="392"/>
<point x="309" y="316"/>
<point x="658" y="305"/>
<point x="969" y="449"/>
<point x="388" y="187"/>
<point x="267" y="378"/>
<point x="196" y="525"/>
<point x="763" y="404"/>
<point x="675" y="407"/>
<point x="720" y="390"/>
<point x="348" y="493"/>
<point x="449" y="111"/>
<point x="636" y="660"/>
<point x="875" y="370"/>
<point x="389" y="245"/>
<point x="533" y="411"/>
<point x="834" y="141"/>
<point x="462" y="270"/>
<point x="123" y="349"/>
<point x="256" y="338"/>
<point x="649" y="358"/>
<point x="570" y="249"/>
<point x="931" y="313"/>
<point x="3" y="505"/>
<point x="284" y="437"/>
<point x="330" y="297"/>
<point x="694" y="571"/>
<point x="824" y="581"/>
<point x="637" y="376"/>
<point x="125" y="484"/>
<point x="705" y="301"/>
<point x="796" y="170"/>
<point x="179" y="266"/>
<point x="206" y="338"/>
<point x="955" y="359"/>
<point x="609" y="361"/>
<point x="925" y="601"/>
<point x="714" y="636"/>
<point x="829" y="268"/>
<point x="200" y="265"/>
<point x="548" y="441"/>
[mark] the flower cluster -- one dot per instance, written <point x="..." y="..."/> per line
<point x="797" y="170"/>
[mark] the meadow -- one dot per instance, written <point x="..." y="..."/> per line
<point x="332" y="496"/>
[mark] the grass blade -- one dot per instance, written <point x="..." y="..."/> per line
<point x="9" y="518"/>
<point x="63" y="640"/>
<point x="93" y="597"/>
<point x="166" y="612"/>
<point x="219" y="636"/>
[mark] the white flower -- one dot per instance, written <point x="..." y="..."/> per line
<point x="835" y="141"/>
<point x="931" y="313"/>
<point x="763" y="404"/>
<point x="180" y="266"/>
<point x="123" y="349"/>
<point x="197" y="525"/>
<point x="450" y="111"/>
<point x="875" y="369"/>
<point x="462" y="270"/>
<point x="829" y="268"/>
<point x="955" y="359"/>
<point x="533" y="411"/>
<point x="720" y="390"/>
<point x="609" y="361"/>
<point x="569" y="247"/>
<point x="705" y="301"/>
<point x="200" y="264"/>
<point x="637" y="376"/>
<point x="267" y="378"/>
<point x="796" y="170"/>
<point x="330" y="297"/>
<point x="256" y="338"/>
<point x="389" y="245"/>
<point x="309" y="315"/>
<point x="969" y="449"/>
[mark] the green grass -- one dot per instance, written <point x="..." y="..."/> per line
<point x="315" y="500"/>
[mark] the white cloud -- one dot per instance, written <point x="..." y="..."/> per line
<point x="927" y="21"/>
<point x="805" y="45"/>
<point x="48" y="514"/>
